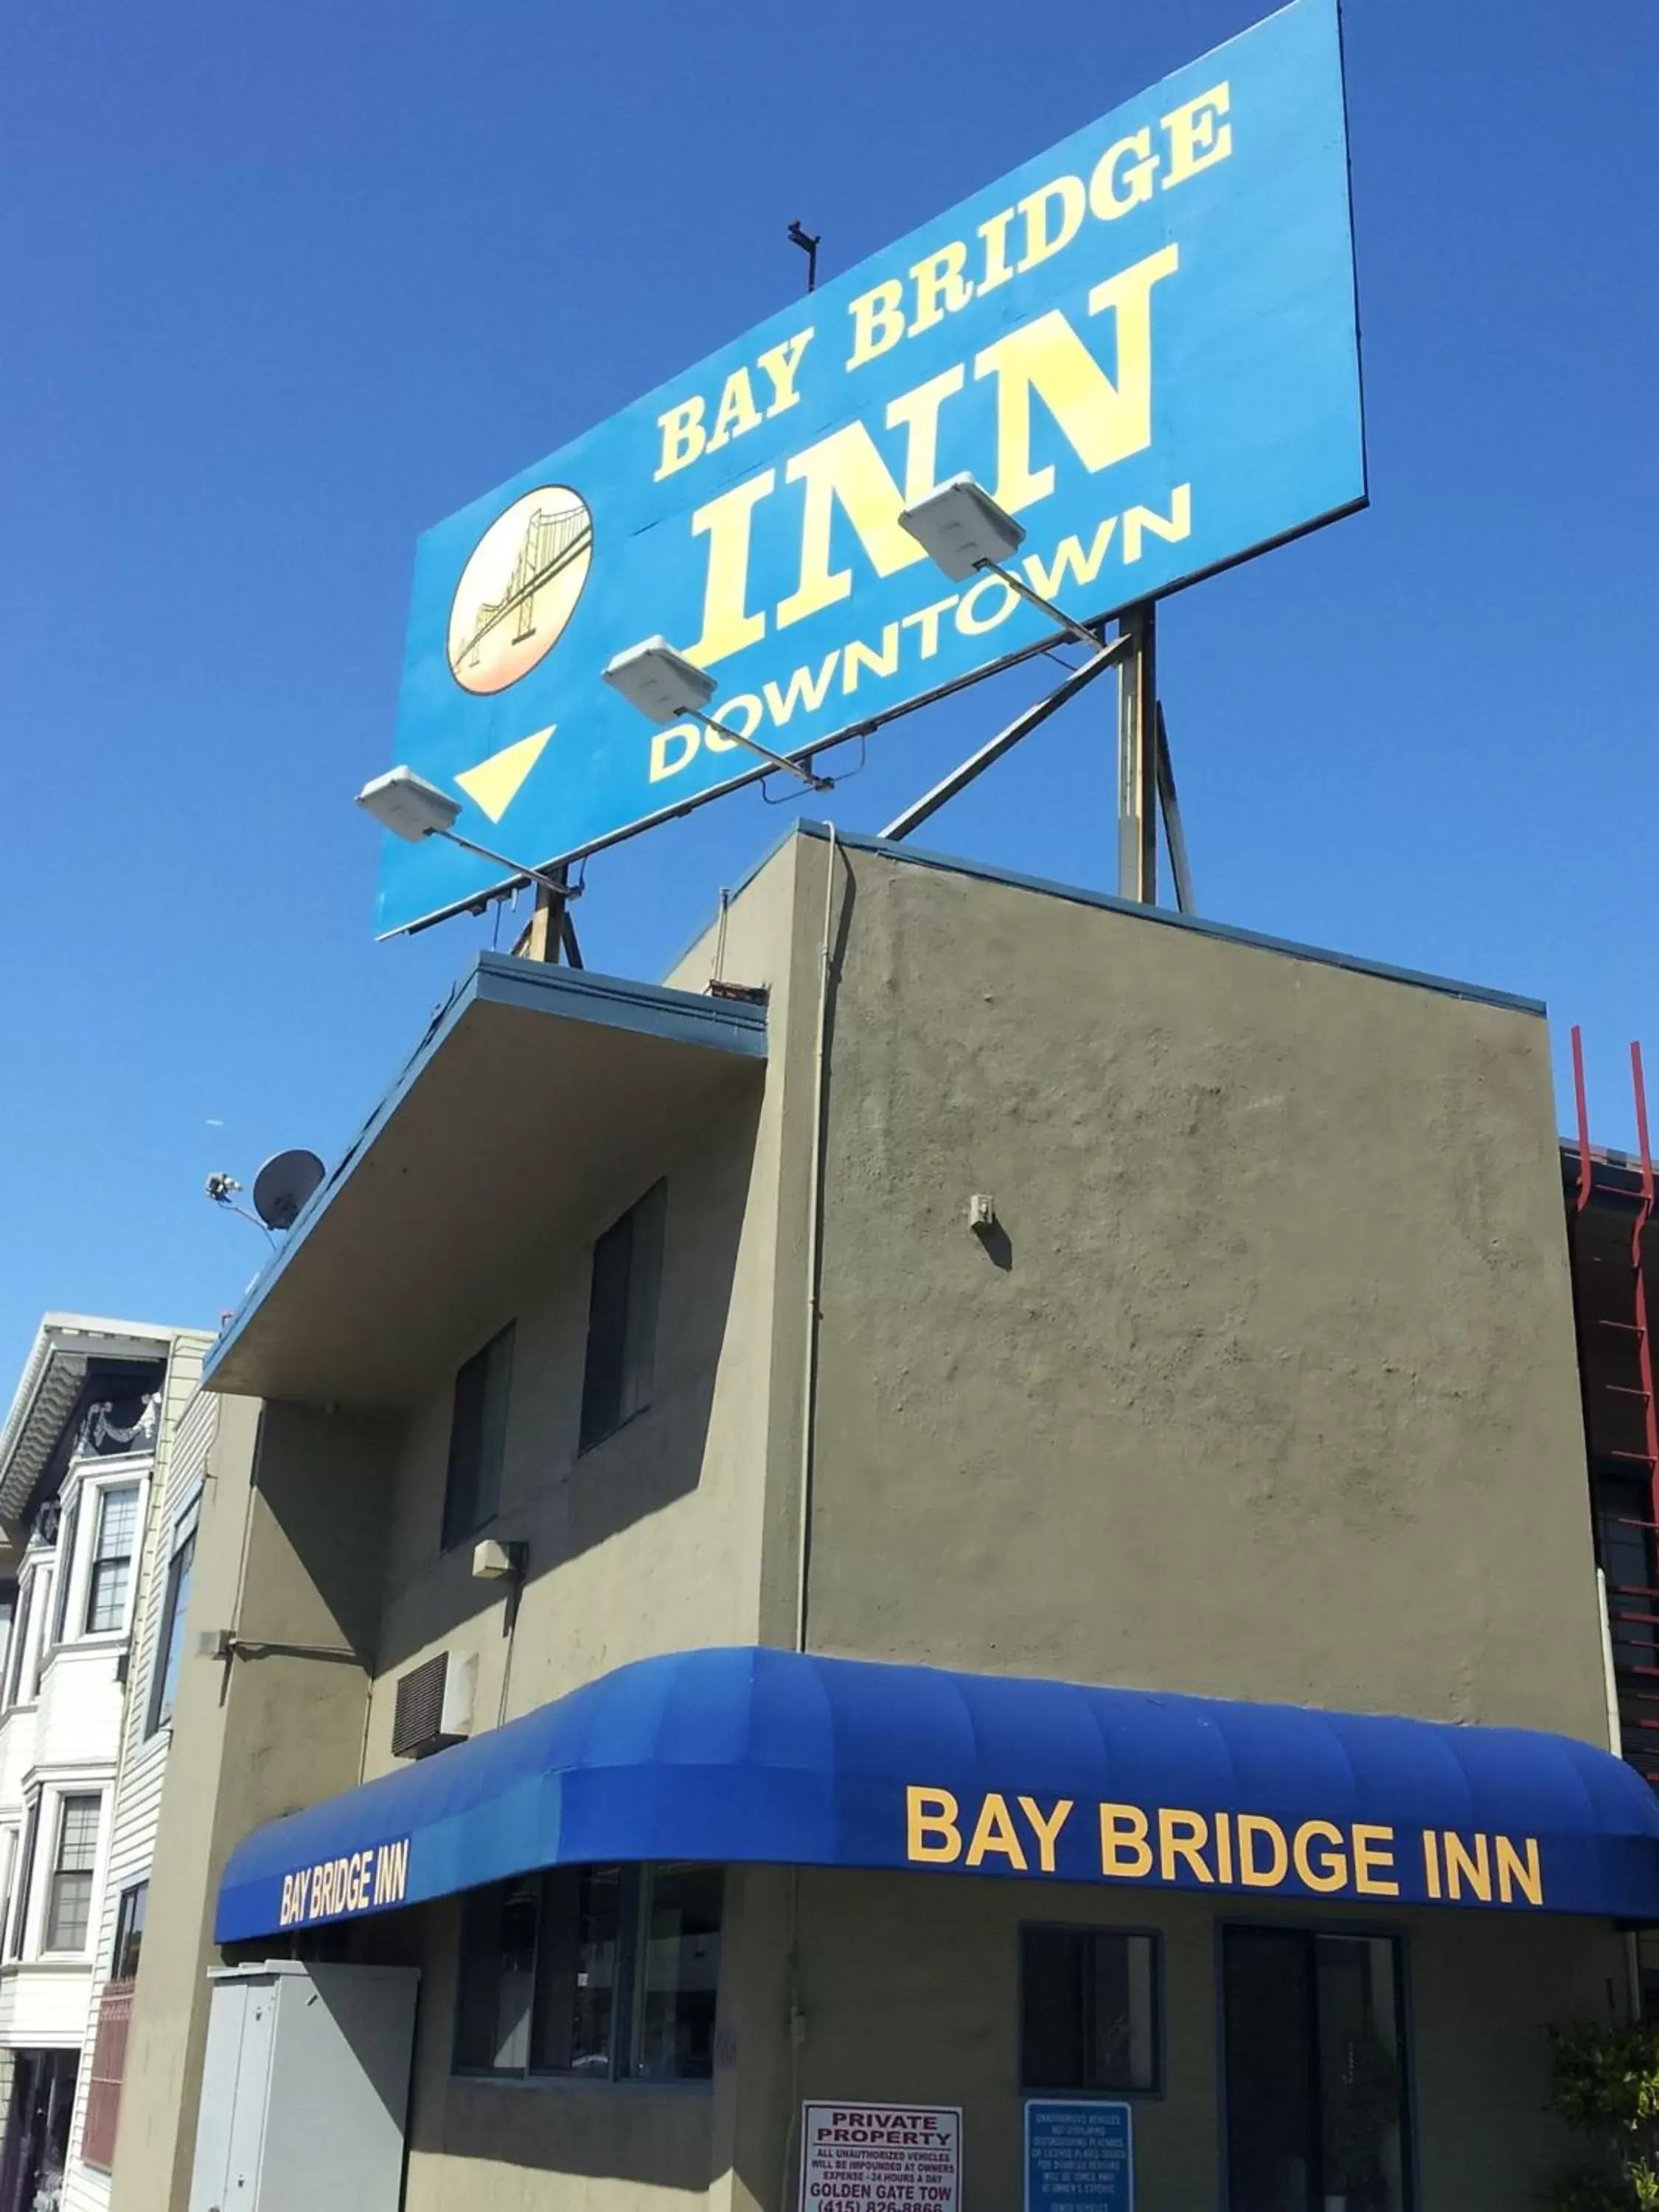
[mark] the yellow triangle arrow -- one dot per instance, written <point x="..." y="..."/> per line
<point x="495" y="783"/>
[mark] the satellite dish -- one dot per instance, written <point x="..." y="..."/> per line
<point x="283" y="1186"/>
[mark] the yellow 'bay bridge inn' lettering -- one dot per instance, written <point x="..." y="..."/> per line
<point x="1104" y="418"/>
<point x="358" y="1883"/>
<point x="1170" y="1845"/>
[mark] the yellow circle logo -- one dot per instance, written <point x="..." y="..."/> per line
<point x="519" y="588"/>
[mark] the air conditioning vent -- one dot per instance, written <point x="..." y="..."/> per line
<point x="434" y="1705"/>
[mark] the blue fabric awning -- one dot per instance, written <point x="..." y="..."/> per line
<point x="775" y="1758"/>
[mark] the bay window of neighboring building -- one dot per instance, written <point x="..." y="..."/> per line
<point x="11" y="1843"/>
<point x="68" y="1524"/>
<point x="96" y="1526"/>
<point x="23" y="1664"/>
<point x="598" y="1973"/>
<point x="68" y="1893"/>
<point x="17" y="1924"/>
<point x="109" y="1569"/>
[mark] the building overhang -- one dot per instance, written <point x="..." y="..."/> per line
<point x="68" y="1348"/>
<point x="534" y="1086"/>
<point x="778" y="1758"/>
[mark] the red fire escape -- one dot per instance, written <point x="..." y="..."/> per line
<point x="1609" y="1222"/>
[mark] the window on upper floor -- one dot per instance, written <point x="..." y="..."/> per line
<point x="9" y="1839"/>
<point x="68" y="1901"/>
<point x="19" y="1637"/>
<point x="109" y="1577"/>
<point x="170" y="1645"/>
<point x="69" y="1520"/>
<point x="20" y="1911"/>
<point x="129" y="1932"/>
<point x="601" y="1972"/>
<point x="34" y="1594"/>
<point x="622" y="1319"/>
<point x="477" y="1439"/>
<point x="8" y="1622"/>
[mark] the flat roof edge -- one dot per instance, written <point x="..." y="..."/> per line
<point x="618" y="1002"/>
<point x="1227" y="933"/>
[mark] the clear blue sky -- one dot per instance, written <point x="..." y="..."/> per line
<point x="286" y="284"/>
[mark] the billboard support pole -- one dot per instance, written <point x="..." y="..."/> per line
<point x="550" y="929"/>
<point x="1106" y="656"/>
<point x="1137" y="756"/>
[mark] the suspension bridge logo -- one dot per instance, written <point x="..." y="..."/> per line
<point x="519" y="588"/>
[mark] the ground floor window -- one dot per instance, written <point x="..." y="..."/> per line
<point x="604" y="1972"/>
<point x="1315" y="2072"/>
<point x="1088" y="2010"/>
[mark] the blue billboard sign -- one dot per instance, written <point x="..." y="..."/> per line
<point x="1143" y="344"/>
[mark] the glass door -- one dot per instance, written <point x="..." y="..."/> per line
<point x="1315" y="2078"/>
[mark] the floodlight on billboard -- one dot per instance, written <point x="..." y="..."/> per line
<point x="1143" y="344"/>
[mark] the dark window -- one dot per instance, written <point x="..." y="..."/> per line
<point x="8" y="1622"/>
<point x="129" y="1932"/>
<point x="69" y="1906"/>
<point x="622" y="1319"/>
<point x="498" y="1977"/>
<point x="1315" y="2072"/>
<point x="170" y="1650"/>
<point x="609" y="1972"/>
<point x="111" y="1574"/>
<point x="25" y="1881"/>
<point x="1088" y="2010"/>
<point x="477" y="1439"/>
<point x="677" y="1974"/>
<point x="577" y="1988"/>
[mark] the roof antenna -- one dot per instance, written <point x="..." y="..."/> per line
<point x="809" y="246"/>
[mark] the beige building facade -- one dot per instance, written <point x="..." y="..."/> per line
<point x="988" y="1282"/>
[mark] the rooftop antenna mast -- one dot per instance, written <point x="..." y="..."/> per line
<point x="809" y="246"/>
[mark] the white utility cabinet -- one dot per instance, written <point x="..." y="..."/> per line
<point x="305" y="2089"/>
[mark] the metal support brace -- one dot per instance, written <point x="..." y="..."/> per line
<point x="1146" y="772"/>
<point x="1174" y="836"/>
<point x="1137" y="756"/>
<point x="1031" y="719"/>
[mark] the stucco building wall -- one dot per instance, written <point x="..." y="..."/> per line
<point x="1265" y="1386"/>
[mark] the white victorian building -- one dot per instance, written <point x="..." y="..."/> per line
<point x="93" y="1543"/>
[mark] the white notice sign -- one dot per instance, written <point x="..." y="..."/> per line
<point x="880" y="2158"/>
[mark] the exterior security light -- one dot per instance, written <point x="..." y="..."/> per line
<point x="411" y="808"/>
<point x="965" y="533"/>
<point x="961" y="529"/>
<point x="666" y="687"/>
<point x="408" y="806"/>
<point x="662" y="683"/>
<point x="496" y="1562"/>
